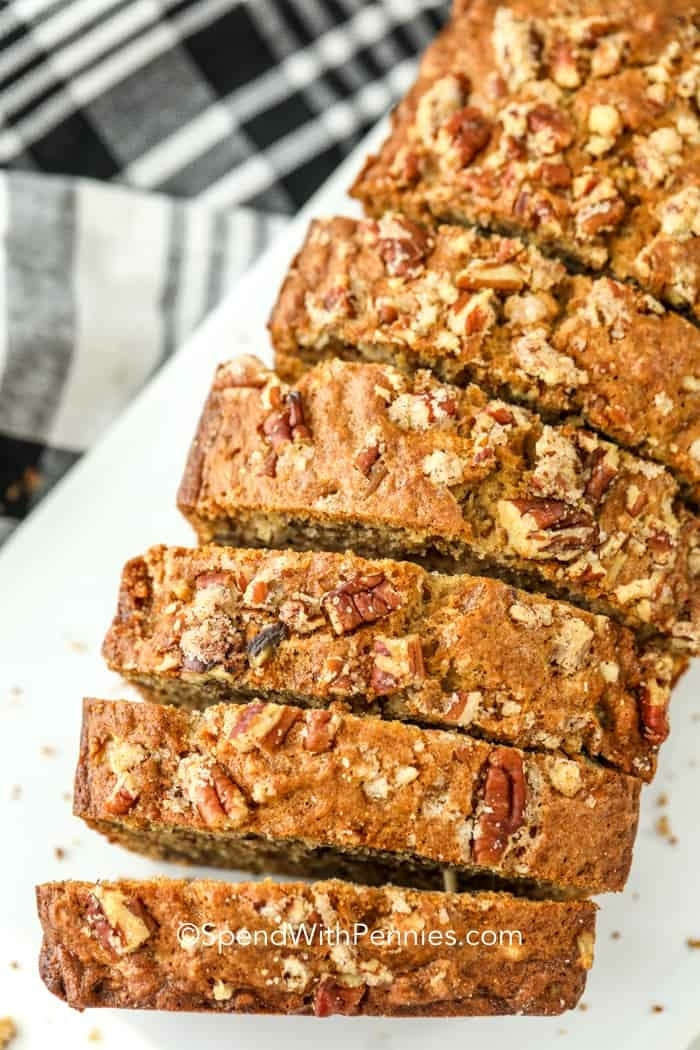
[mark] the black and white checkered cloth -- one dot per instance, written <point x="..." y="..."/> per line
<point x="150" y="149"/>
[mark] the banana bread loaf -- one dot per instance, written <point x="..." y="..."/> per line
<point x="326" y="948"/>
<point x="195" y="627"/>
<point x="323" y="792"/>
<point x="576" y="126"/>
<point x="497" y="312"/>
<point x="363" y="456"/>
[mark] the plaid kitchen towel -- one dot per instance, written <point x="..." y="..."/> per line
<point x="150" y="149"/>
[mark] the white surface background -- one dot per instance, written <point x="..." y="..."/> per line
<point x="58" y="581"/>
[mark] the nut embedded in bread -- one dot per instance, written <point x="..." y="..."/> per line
<point x="139" y="944"/>
<point x="322" y="792"/>
<point x="411" y="467"/>
<point x="196" y="627"/>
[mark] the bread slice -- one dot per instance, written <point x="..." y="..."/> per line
<point x="325" y="948"/>
<point x="577" y="129"/>
<point x="195" y="627"/>
<point x="323" y="792"/>
<point x="364" y="456"/>
<point x="494" y="311"/>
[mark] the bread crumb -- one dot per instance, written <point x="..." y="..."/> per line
<point x="94" y="1035"/>
<point x="59" y="853"/>
<point x="662" y="800"/>
<point x="8" y="1031"/>
<point x="67" y="796"/>
<point x="657" y="1008"/>
<point x="76" y="646"/>
<point x="583" y="1007"/>
<point x="14" y="965"/>
<point x="693" y="942"/>
<point x="663" y="828"/>
<point x="48" y="751"/>
<point x="615" y="935"/>
<point x="635" y="896"/>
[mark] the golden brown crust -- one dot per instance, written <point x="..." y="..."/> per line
<point x="496" y="312"/>
<point x="116" y="945"/>
<point x="334" y="782"/>
<point x="448" y="651"/>
<point x="414" y="468"/>
<point x="574" y="124"/>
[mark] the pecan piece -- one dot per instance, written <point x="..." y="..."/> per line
<point x="653" y="712"/>
<point x="216" y="797"/>
<point x="366" y="458"/>
<point x="541" y="528"/>
<point x="602" y="475"/>
<point x="213" y="579"/>
<point x="362" y="599"/>
<point x="121" y="799"/>
<point x="320" y="731"/>
<point x="262" y="725"/>
<point x="402" y="245"/>
<point x="468" y="132"/>
<point x="120" y="923"/>
<point x="551" y="127"/>
<point x="261" y="648"/>
<point x="398" y="662"/>
<point x="503" y="277"/>
<point x="286" y="423"/>
<point x="503" y="809"/>
<point x="335" y="998"/>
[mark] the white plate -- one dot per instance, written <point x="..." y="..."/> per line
<point x="58" y="580"/>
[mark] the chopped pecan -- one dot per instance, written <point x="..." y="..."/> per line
<point x="503" y="809"/>
<point x="653" y="711"/>
<point x="602" y="474"/>
<point x="398" y="662"/>
<point x="551" y="128"/>
<point x="503" y="277"/>
<point x="122" y="798"/>
<point x="320" y="731"/>
<point x="262" y="725"/>
<point x="120" y="923"/>
<point x="287" y="422"/>
<point x="217" y="798"/>
<point x="547" y="527"/>
<point x="402" y="245"/>
<point x="366" y="458"/>
<point x="262" y="647"/>
<point x="339" y="302"/>
<point x="554" y="176"/>
<point x="362" y="599"/>
<point x="335" y="998"/>
<point x="468" y="132"/>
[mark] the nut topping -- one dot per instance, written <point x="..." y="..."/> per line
<point x="120" y="923"/>
<point x="547" y="528"/>
<point x="217" y="798"/>
<point x="320" y="731"/>
<point x="398" y="663"/>
<point x="503" y="805"/>
<point x="402" y="244"/>
<point x="603" y="471"/>
<point x="262" y="647"/>
<point x="653" y="710"/>
<point x="506" y="277"/>
<point x="334" y="998"/>
<point x="287" y="422"/>
<point x="466" y="133"/>
<point x="262" y="725"/>
<point x="363" y="599"/>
